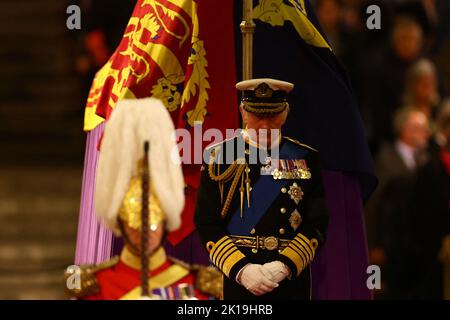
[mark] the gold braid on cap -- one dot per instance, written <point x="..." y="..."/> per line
<point x="131" y="210"/>
<point x="255" y="107"/>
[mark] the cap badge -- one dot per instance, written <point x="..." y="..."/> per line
<point x="263" y="91"/>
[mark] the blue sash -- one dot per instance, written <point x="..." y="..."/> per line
<point x="263" y="194"/>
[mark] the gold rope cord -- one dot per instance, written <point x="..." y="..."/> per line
<point x="226" y="206"/>
<point x="235" y="170"/>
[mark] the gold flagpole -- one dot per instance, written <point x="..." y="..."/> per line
<point x="444" y="257"/>
<point x="447" y="279"/>
<point x="247" y="29"/>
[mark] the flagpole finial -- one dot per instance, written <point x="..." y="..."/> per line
<point x="247" y="29"/>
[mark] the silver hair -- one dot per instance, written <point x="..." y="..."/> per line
<point x="420" y="68"/>
<point x="401" y="118"/>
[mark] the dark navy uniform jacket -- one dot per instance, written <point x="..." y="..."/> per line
<point x="290" y="210"/>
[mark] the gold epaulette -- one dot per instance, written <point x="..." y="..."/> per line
<point x="209" y="280"/>
<point x="81" y="282"/>
<point x="180" y="263"/>
<point x="300" y="144"/>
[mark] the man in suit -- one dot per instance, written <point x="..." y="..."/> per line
<point x="261" y="208"/>
<point x="388" y="212"/>
<point x="431" y="218"/>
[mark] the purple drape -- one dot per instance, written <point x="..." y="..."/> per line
<point x="94" y="242"/>
<point x="339" y="269"/>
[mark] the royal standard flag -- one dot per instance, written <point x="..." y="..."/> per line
<point x="179" y="51"/>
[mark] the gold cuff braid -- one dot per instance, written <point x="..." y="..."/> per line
<point x="301" y="251"/>
<point x="224" y="255"/>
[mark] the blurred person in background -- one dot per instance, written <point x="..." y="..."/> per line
<point x="344" y="24"/>
<point x="359" y="45"/>
<point x="431" y="217"/>
<point x="438" y="139"/>
<point x="329" y="13"/>
<point x="388" y="217"/>
<point x="425" y="13"/>
<point x="440" y="50"/>
<point x="386" y="82"/>
<point x="103" y="25"/>
<point x="421" y="88"/>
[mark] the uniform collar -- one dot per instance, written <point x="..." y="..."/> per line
<point x="133" y="261"/>
<point x="248" y="140"/>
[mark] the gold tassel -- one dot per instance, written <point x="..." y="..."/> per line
<point x="241" y="191"/>
<point x="247" y="185"/>
<point x="221" y="184"/>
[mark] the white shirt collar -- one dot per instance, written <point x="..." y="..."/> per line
<point x="406" y="152"/>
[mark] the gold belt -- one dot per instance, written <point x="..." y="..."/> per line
<point x="267" y="243"/>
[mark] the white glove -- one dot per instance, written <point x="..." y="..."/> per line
<point x="276" y="271"/>
<point x="253" y="278"/>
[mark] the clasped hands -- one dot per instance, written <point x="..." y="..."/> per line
<point x="261" y="279"/>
